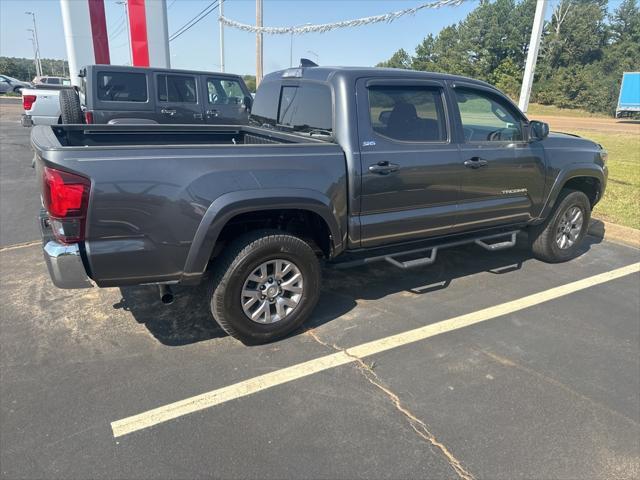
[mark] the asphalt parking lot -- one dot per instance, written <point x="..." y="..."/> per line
<point x="484" y="365"/>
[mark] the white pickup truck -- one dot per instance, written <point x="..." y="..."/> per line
<point x="41" y="106"/>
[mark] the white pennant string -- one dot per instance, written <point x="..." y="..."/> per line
<point x="325" y="27"/>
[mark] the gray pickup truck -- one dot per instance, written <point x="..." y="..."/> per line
<point x="341" y="166"/>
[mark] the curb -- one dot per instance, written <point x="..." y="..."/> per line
<point x="613" y="232"/>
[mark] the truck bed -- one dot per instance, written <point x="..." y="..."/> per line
<point x="150" y="135"/>
<point x="159" y="191"/>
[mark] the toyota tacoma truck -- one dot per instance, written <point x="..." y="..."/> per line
<point x="340" y="166"/>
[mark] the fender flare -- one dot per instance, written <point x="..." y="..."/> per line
<point x="227" y="206"/>
<point x="575" y="170"/>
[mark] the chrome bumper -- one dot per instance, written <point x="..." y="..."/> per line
<point x="63" y="261"/>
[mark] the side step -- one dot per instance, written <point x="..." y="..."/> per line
<point x="432" y="252"/>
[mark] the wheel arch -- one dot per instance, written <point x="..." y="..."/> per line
<point x="587" y="178"/>
<point x="222" y="212"/>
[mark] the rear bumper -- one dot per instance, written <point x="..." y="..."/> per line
<point x="64" y="262"/>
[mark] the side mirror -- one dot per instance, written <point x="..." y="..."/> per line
<point x="248" y="101"/>
<point x="538" y="130"/>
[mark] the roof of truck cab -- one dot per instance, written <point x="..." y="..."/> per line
<point x="327" y="73"/>
<point x="123" y="68"/>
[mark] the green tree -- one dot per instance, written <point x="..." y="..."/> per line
<point x="400" y="59"/>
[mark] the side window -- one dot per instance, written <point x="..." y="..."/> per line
<point x="122" y="87"/>
<point x="54" y="81"/>
<point x="487" y="119"/>
<point x="177" y="89"/>
<point x="408" y="113"/>
<point x="306" y="107"/>
<point x="224" y="92"/>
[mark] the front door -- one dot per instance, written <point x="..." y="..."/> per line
<point x="225" y="103"/>
<point x="177" y="100"/>
<point x="502" y="173"/>
<point x="410" y="177"/>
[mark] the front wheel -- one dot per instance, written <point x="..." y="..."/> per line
<point x="559" y="238"/>
<point x="264" y="286"/>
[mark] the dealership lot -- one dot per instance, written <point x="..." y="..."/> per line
<point x="536" y="390"/>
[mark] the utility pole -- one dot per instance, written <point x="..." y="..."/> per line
<point x="291" y="51"/>
<point x="35" y="36"/>
<point x="221" y="25"/>
<point x="532" y="55"/>
<point x="259" y="50"/>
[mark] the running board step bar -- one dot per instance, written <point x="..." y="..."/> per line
<point x="432" y="252"/>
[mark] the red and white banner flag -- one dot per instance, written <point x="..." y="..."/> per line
<point x="149" y="33"/>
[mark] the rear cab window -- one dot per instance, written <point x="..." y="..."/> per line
<point x="300" y="107"/>
<point x="122" y="87"/>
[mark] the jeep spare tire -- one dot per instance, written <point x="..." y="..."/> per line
<point x="70" y="110"/>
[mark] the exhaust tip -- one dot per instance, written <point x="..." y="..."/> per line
<point x="166" y="294"/>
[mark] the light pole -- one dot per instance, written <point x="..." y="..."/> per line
<point x="35" y="51"/>
<point x="221" y="26"/>
<point x="532" y="55"/>
<point x="126" y="21"/>
<point x="259" y="50"/>
<point x="35" y="36"/>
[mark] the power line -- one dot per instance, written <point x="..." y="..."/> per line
<point x="195" y="20"/>
<point x="171" y="4"/>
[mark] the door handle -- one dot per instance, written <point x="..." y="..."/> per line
<point x="383" y="168"/>
<point x="475" y="162"/>
<point x="212" y="113"/>
<point x="167" y="111"/>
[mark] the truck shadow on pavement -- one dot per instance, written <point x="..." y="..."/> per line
<point x="188" y="320"/>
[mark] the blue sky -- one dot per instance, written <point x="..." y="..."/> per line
<point x="198" y="48"/>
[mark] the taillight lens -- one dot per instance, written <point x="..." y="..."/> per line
<point x="88" y="116"/>
<point x="66" y="197"/>
<point x="28" y="101"/>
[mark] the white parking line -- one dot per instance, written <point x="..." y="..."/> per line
<point x="253" y="385"/>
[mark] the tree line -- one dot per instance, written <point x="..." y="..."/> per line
<point x="584" y="50"/>
<point x="25" y="69"/>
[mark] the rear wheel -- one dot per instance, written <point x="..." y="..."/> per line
<point x="264" y="286"/>
<point x="559" y="238"/>
<point x="70" y="110"/>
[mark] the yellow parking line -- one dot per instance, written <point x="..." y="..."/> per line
<point x="253" y="385"/>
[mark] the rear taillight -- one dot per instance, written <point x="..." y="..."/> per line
<point x="66" y="197"/>
<point x="88" y="116"/>
<point x="28" y="101"/>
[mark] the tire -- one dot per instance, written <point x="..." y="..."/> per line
<point x="547" y="242"/>
<point x="240" y="262"/>
<point x="71" y="112"/>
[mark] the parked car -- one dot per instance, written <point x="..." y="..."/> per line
<point x="116" y="94"/>
<point x="10" y="84"/>
<point x="48" y="80"/>
<point x="41" y="104"/>
<point x="344" y="166"/>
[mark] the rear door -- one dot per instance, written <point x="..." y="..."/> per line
<point x="177" y="98"/>
<point x="410" y="165"/>
<point x="225" y="101"/>
<point x="502" y="173"/>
